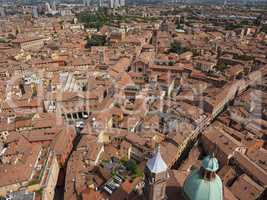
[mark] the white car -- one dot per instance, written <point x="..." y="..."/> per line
<point x="107" y="190"/>
<point x="79" y="124"/>
<point x="117" y="179"/>
<point x="85" y="115"/>
<point x="115" y="184"/>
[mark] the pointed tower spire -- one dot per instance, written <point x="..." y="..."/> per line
<point x="156" y="164"/>
<point x="156" y="177"/>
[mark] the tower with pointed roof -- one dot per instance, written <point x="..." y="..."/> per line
<point x="204" y="183"/>
<point x="156" y="176"/>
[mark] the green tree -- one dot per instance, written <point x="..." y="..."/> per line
<point x="176" y="47"/>
<point x="2" y="40"/>
<point x="96" y="40"/>
<point x="264" y="28"/>
<point x="93" y="20"/>
<point x="131" y="165"/>
<point x="221" y="67"/>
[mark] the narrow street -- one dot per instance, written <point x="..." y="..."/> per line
<point x="59" y="191"/>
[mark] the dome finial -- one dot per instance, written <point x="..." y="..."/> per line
<point x="210" y="163"/>
<point x="157" y="148"/>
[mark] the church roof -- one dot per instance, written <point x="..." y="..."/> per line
<point x="156" y="164"/>
<point x="197" y="188"/>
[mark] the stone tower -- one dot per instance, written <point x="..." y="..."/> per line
<point x="156" y="176"/>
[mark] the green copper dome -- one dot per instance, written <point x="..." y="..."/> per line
<point x="197" y="188"/>
<point x="210" y="163"/>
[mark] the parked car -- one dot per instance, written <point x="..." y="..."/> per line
<point x="85" y="115"/>
<point x="115" y="184"/>
<point x="109" y="191"/>
<point x="110" y="185"/>
<point x="79" y="124"/>
<point x="117" y="179"/>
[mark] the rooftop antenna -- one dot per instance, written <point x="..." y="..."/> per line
<point x="157" y="147"/>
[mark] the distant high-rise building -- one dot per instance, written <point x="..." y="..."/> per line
<point x="54" y="7"/>
<point x="51" y="10"/>
<point x="100" y="3"/>
<point x="116" y="3"/>
<point x="47" y="6"/>
<point x="86" y="2"/>
<point x="35" y="12"/>
<point x="2" y="12"/>
<point x="122" y="2"/>
<point x="111" y="3"/>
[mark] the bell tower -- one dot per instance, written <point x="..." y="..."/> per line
<point x="156" y="177"/>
